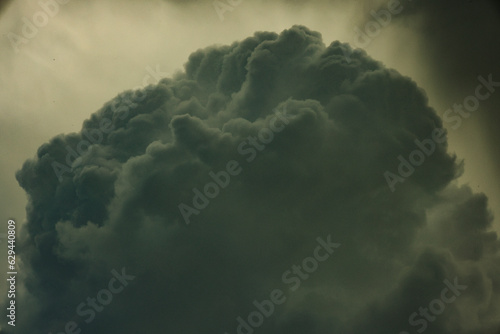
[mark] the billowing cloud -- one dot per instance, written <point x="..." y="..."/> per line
<point x="277" y="146"/>
<point x="457" y="42"/>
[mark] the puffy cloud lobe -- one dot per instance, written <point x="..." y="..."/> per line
<point x="454" y="32"/>
<point x="321" y="175"/>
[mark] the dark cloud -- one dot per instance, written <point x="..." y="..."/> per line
<point x="323" y="174"/>
<point x="461" y="43"/>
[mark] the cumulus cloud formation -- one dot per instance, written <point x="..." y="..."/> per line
<point x="460" y="43"/>
<point x="321" y="176"/>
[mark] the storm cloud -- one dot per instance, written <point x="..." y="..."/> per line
<point x="322" y="175"/>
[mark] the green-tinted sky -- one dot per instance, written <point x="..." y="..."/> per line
<point x="331" y="169"/>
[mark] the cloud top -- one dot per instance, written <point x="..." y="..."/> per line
<point x="344" y="123"/>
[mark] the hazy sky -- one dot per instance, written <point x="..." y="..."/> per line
<point x="354" y="113"/>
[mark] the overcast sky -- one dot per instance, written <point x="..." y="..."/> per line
<point x="356" y="104"/>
